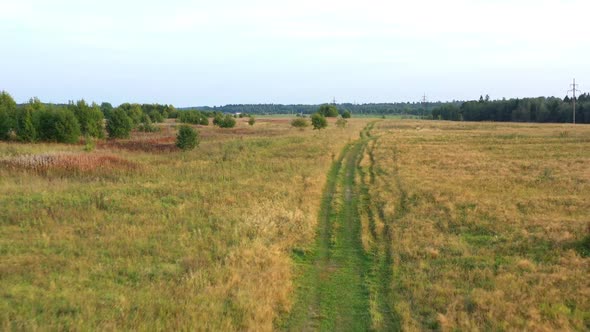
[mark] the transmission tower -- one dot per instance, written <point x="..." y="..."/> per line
<point x="424" y="102"/>
<point x="573" y="91"/>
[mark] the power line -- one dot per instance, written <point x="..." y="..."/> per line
<point x="573" y="91"/>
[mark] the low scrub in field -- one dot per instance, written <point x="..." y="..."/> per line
<point x="488" y="223"/>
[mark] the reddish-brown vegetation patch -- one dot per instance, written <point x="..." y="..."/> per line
<point x="67" y="162"/>
<point x="158" y="144"/>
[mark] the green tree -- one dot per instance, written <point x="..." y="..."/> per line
<point x="318" y="121"/>
<point x="89" y="117"/>
<point x="329" y="111"/>
<point x="135" y="113"/>
<point x="187" y="138"/>
<point x="106" y="109"/>
<point x="7" y="102"/>
<point x="119" y="125"/>
<point x="25" y="129"/>
<point x="59" y="124"/>
<point x="251" y="120"/>
<point x="5" y="124"/>
<point x="346" y="114"/>
<point x="7" y="113"/>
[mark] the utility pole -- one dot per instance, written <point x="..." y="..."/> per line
<point x="334" y="100"/>
<point x="573" y="90"/>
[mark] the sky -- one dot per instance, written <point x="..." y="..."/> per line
<point x="189" y="53"/>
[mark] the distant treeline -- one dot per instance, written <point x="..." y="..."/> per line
<point x="416" y="109"/>
<point x="540" y="109"/>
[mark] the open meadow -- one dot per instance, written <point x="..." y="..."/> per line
<point x="387" y="224"/>
<point x="139" y="235"/>
<point x="485" y="226"/>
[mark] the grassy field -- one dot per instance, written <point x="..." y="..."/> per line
<point x="384" y="225"/>
<point x="138" y="235"/>
<point x="487" y="225"/>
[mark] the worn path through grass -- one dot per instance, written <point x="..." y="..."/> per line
<point x="336" y="276"/>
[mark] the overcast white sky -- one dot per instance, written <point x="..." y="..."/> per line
<point x="305" y="51"/>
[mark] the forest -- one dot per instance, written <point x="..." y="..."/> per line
<point x="540" y="109"/>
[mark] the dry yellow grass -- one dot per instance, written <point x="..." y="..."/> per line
<point x="199" y="240"/>
<point x="487" y="221"/>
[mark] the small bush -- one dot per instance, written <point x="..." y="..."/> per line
<point x="187" y="138"/>
<point x="318" y="121"/>
<point x="341" y="122"/>
<point x="346" y="114"/>
<point x="227" y="121"/>
<point x="299" y="123"/>
<point x="251" y="121"/>
<point x="147" y="126"/>
<point x="89" y="143"/>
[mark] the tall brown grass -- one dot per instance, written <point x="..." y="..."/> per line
<point x="200" y="240"/>
<point x="484" y="217"/>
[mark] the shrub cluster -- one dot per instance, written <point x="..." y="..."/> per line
<point x="147" y="126"/>
<point x="193" y="117"/>
<point x="156" y="112"/>
<point x="36" y="121"/>
<point x="226" y="121"/>
<point x="299" y="123"/>
<point x="318" y="121"/>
